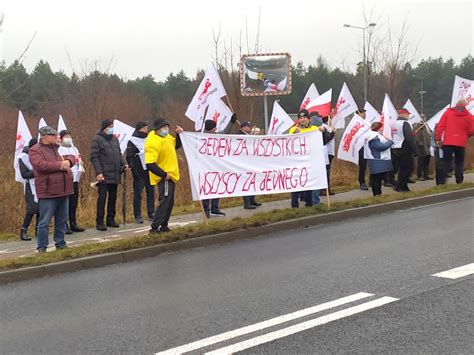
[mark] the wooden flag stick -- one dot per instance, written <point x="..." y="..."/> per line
<point x="327" y="197"/>
<point x="203" y="213"/>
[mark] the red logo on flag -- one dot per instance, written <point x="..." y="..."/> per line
<point x="19" y="137"/>
<point x="305" y="103"/>
<point x="338" y="104"/>
<point x="274" y="122"/>
<point x="207" y="85"/>
<point x="216" y="116"/>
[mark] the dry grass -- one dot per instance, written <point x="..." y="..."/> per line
<point x="199" y="230"/>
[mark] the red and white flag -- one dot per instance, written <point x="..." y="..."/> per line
<point x="123" y="132"/>
<point x="345" y="106"/>
<point x="311" y="95"/>
<point x="211" y="87"/>
<point x="23" y="137"/>
<point x="280" y="121"/>
<point x="463" y="89"/>
<point x="219" y="113"/>
<point x="322" y="104"/>
<point x="389" y="115"/>
<point x="433" y="121"/>
<point x="353" y="139"/>
<point x="414" y="117"/>
<point x="371" y="113"/>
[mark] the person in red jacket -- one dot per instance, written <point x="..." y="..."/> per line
<point x="54" y="185"/>
<point x="451" y="135"/>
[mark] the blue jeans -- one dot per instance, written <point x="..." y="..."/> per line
<point x="49" y="207"/>
<point x="315" y="197"/>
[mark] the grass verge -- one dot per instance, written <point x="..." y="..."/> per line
<point x="214" y="227"/>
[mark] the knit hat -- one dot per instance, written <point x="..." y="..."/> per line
<point x="304" y="113"/>
<point x="359" y="111"/>
<point x="32" y="142"/>
<point x="106" y="123"/>
<point x="140" y="124"/>
<point x="47" y="131"/>
<point x="64" y="132"/>
<point x="209" y="125"/>
<point x="159" y="123"/>
<point x="403" y="110"/>
<point x="375" y="126"/>
<point x="314" y="113"/>
<point x="246" y="124"/>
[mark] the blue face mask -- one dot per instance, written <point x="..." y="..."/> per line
<point x="163" y="133"/>
<point x="109" y="131"/>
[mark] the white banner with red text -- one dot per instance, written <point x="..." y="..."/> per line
<point x="246" y="165"/>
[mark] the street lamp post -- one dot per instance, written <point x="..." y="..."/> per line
<point x="364" y="57"/>
<point x="422" y="92"/>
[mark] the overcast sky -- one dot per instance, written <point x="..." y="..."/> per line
<point x="159" y="37"/>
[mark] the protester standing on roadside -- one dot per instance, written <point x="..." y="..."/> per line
<point x="423" y="144"/>
<point x="362" y="162"/>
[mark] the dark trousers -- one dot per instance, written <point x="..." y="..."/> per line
<point x="165" y="204"/>
<point x="140" y="183"/>
<point x="423" y="166"/>
<point x="439" y="167"/>
<point x="73" y="199"/>
<point x="405" y="168"/>
<point x="249" y="200"/>
<point x="376" y="183"/>
<point x="328" y="171"/>
<point x="107" y="192"/>
<point x="362" y="167"/>
<point x="307" y="196"/>
<point x="213" y="203"/>
<point x="32" y="208"/>
<point x="395" y="153"/>
<point x="49" y="207"/>
<point x="459" y="153"/>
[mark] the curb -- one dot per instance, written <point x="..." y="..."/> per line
<point x="95" y="261"/>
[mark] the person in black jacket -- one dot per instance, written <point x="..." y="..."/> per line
<point x="136" y="160"/>
<point x="404" y="149"/>
<point x="31" y="201"/>
<point x="108" y="164"/>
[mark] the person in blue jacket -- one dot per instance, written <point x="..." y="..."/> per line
<point x="377" y="154"/>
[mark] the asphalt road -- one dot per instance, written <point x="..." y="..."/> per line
<point x="371" y="280"/>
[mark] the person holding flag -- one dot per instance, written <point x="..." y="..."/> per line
<point x="377" y="154"/>
<point x="135" y="155"/>
<point x="362" y="162"/>
<point x="404" y="149"/>
<point x="67" y="148"/>
<point x="31" y="199"/>
<point x="423" y="145"/>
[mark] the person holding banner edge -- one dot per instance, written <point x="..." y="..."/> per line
<point x="162" y="163"/>
<point x="250" y="203"/>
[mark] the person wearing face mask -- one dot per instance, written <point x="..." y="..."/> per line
<point x="162" y="163"/>
<point x="67" y="147"/>
<point x="378" y="157"/>
<point x="136" y="160"/>
<point x="54" y="185"/>
<point x="108" y="164"/>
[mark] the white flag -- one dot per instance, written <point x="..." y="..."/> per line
<point x="463" y="89"/>
<point x="353" y="139"/>
<point x="23" y="137"/>
<point x="123" y="132"/>
<point x="280" y="121"/>
<point x="414" y="117"/>
<point x="282" y="84"/>
<point x="371" y="113"/>
<point x="345" y="106"/>
<point x="219" y="113"/>
<point x="311" y="95"/>
<point x="42" y="123"/>
<point x="389" y="115"/>
<point x="61" y="124"/>
<point x="211" y="87"/>
<point x="433" y="121"/>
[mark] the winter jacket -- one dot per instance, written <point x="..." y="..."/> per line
<point x="377" y="164"/>
<point x="161" y="157"/>
<point x="106" y="157"/>
<point x="455" y="127"/>
<point x="25" y="172"/>
<point x="422" y="141"/>
<point x="132" y="155"/>
<point x="408" y="145"/>
<point x="51" y="181"/>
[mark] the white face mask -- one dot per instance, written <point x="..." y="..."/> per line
<point x="67" y="142"/>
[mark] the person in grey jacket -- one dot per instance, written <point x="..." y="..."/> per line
<point x="378" y="157"/>
<point x="108" y="164"/>
<point x="423" y="145"/>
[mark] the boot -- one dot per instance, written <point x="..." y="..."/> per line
<point x="68" y="229"/>
<point x="76" y="228"/>
<point x="24" y="234"/>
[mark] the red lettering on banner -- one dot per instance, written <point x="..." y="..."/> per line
<point x="241" y="147"/>
<point x="218" y="183"/>
<point x="347" y="140"/>
<point x="250" y="182"/>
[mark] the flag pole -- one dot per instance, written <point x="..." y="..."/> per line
<point x="327" y="197"/>
<point x="203" y="213"/>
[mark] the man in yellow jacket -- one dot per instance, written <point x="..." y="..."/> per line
<point x="162" y="163"/>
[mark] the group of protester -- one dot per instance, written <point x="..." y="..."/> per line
<point x="52" y="167"/>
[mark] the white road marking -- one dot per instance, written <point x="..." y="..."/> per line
<point x="456" y="273"/>
<point x="266" y="338"/>
<point x="265" y="324"/>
